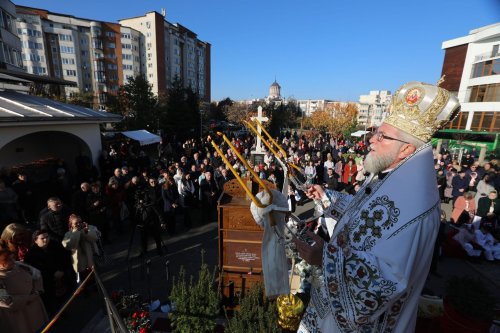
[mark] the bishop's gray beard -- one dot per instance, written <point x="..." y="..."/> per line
<point x="376" y="164"/>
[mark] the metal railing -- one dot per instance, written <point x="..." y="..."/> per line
<point x="115" y="321"/>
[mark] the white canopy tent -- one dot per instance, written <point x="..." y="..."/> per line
<point x="143" y="137"/>
<point x="359" y="133"/>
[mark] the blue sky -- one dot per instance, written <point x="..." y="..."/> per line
<point x="317" y="49"/>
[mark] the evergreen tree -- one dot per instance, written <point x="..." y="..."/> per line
<point x="196" y="304"/>
<point x="181" y="113"/>
<point x="136" y="103"/>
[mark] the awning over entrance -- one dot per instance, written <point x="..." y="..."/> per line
<point x="359" y="133"/>
<point x="142" y="136"/>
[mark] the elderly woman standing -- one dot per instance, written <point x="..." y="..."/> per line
<point x="81" y="241"/>
<point x="464" y="209"/>
<point x="21" y="308"/>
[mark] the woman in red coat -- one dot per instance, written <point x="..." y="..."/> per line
<point x="350" y="172"/>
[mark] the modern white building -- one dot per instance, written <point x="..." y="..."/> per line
<point x="309" y="106"/>
<point x="472" y="69"/>
<point x="372" y="108"/>
<point x="169" y="51"/>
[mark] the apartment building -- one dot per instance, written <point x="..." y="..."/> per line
<point x="100" y="56"/>
<point x="171" y="50"/>
<point x="472" y="68"/>
<point x="10" y="45"/>
<point x="79" y="50"/>
<point x="372" y="108"/>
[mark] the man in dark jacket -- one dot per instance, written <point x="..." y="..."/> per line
<point x="331" y="182"/>
<point x="55" y="219"/>
<point x="210" y="194"/>
<point x="149" y="219"/>
<point x="489" y="209"/>
<point x="460" y="184"/>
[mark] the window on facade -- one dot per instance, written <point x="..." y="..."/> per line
<point x="486" y="121"/>
<point x="67" y="38"/>
<point x="68" y="61"/>
<point x="459" y="122"/>
<point x="96" y="31"/>
<point x="70" y="72"/>
<point x="97" y="43"/>
<point x="39" y="70"/>
<point x="6" y="21"/>
<point x="67" y="49"/>
<point x="485" y="93"/>
<point x="496" y="67"/>
<point x="111" y="45"/>
<point x="486" y="68"/>
<point x="126" y="46"/>
<point x="110" y="34"/>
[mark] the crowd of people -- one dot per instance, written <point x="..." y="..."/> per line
<point x="52" y="232"/>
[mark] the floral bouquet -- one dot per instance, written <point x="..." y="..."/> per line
<point x="133" y="310"/>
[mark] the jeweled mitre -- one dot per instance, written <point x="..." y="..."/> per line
<point x="420" y="109"/>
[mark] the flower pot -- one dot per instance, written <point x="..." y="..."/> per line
<point x="454" y="322"/>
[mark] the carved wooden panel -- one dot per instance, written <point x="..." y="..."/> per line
<point x="233" y="188"/>
<point x="245" y="257"/>
<point x="239" y="218"/>
<point x="242" y="235"/>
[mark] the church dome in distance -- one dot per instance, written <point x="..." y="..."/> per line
<point x="275" y="90"/>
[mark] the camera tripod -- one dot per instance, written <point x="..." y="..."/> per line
<point x="144" y="265"/>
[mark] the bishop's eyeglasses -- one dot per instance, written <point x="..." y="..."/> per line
<point x="379" y="136"/>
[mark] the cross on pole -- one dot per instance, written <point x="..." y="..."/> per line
<point x="261" y="119"/>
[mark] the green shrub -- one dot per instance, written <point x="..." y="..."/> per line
<point x="256" y="314"/>
<point x="196" y="304"/>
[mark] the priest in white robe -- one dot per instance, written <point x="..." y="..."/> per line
<point x="377" y="260"/>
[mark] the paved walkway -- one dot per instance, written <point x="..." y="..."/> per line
<point x="184" y="249"/>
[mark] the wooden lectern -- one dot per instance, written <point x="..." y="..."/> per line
<point x="240" y="240"/>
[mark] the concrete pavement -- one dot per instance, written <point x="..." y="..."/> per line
<point x="87" y="315"/>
